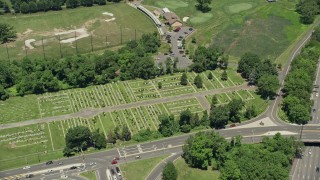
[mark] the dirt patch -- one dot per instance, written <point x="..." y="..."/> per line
<point x="28" y="42"/>
<point x="112" y="19"/>
<point x="78" y="33"/>
<point x="107" y="13"/>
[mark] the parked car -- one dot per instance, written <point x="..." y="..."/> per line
<point x="93" y="163"/>
<point x="233" y="125"/>
<point x="138" y="157"/>
<point x="26" y="167"/>
<point x="60" y="163"/>
<point x="190" y="29"/>
<point x="112" y="171"/>
<point x="73" y="167"/>
<point x="177" y="29"/>
<point x="49" y="162"/>
<point x="114" y="161"/>
<point x="118" y="171"/>
<point x="29" y="176"/>
<point x="50" y="171"/>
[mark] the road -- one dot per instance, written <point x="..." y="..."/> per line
<point x="316" y="98"/>
<point x="305" y="168"/>
<point x="164" y="146"/>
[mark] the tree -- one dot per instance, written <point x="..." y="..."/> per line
<point x="198" y="81"/>
<point x="230" y="171"/>
<point x="224" y="61"/>
<point x="116" y="132"/>
<point x="210" y="76"/>
<point x="168" y="63"/>
<point x="159" y="85"/>
<point x="205" y="119"/>
<point x="268" y="85"/>
<point x="72" y="3"/>
<point x="224" y="76"/>
<point x="219" y="117"/>
<point x="7" y="33"/>
<point x="235" y="106"/>
<point x="316" y="34"/>
<point x="199" y="149"/>
<point x="111" y="137"/>
<point x="167" y="126"/>
<point x="169" y="172"/>
<point x="78" y="138"/>
<point x="33" y="7"/>
<point x="3" y="94"/>
<point x="250" y="112"/>
<point x="185" y="117"/>
<point x="214" y="101"/>
<point x="195" y="120"/>
<point x="125" y="133"/>
<point x="204" y="5"/>
<point x="24" y="7"/>
<point x="184" y="79"/>
<point x="248" y="63"/>
<point x="98" y="139"/>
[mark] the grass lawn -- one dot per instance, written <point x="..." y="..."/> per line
<point x="90" y="175"/>
<point x="46" y="25"/>
<point x="187" y="173"/>
<point x="140" y="169"/>
<point x="241" y="26"/>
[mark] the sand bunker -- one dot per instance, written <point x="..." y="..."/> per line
<point x="108" y="14"/>
<point x="185" y="19"/>
<point x="112" y="19"/>
<point x="80" y="33"/>
<point x="28" y="42"/>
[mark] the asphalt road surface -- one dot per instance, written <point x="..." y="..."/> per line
<point x="305" y="168"/>
<point x="316" y="98"/>
<point x="155" y="148"/>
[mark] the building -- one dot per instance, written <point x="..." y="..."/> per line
<point x="165" y="10"/>
<point x="157" y="13"/>
<point x="172" y="19"/>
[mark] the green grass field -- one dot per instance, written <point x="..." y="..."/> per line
<point x="46" y="25"/>
<point x="187" y="173"/>
<point x="241" y="26"/>
<point x="90" y="175"/>
<point x="140" y="169"/>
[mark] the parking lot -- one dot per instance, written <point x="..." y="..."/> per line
<point x="175" y="39"/>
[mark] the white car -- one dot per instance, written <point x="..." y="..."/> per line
<point x="317" y="94"/>
<point x="50" y="170"/>
<point x="93" y="163"/>
<point x="64" y="177"/>
<point x="309" y="152"/>
<point x="26" y="167"/>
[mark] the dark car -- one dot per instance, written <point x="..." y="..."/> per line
<point x="177" y="29"/>
<point x="190" y="29"/>
<point x="112" y="171"/>
<point x="233" y="125"/>
<point x="49" y="162"/>
<point x="29" y="176"/>
<point x="73" y="167"/>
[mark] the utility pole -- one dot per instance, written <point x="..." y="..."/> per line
<point x="44" y="54"/>
<point x="75" y="39"/>
<point x="91" y="44"/>
<point x="7" y="51"/>
<point x="60" y="47"/>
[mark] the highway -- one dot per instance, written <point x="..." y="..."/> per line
<point x="315" y="96"/>
<point x="157" y="148"/>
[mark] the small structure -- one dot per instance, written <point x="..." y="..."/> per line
<point x="157" y="13"/>
<point x="172" y="19"/>
<point x="165" y="10"/>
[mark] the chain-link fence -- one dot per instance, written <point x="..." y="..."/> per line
<point x="67" y="43"/>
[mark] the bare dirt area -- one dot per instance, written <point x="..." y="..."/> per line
<point x="78" y="34"/>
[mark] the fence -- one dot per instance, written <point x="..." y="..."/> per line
<point x="66" y="44"/>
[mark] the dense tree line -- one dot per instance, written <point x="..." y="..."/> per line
<point x="299" y="82"/>
<point x="48" y="75"/>
<point x="308" y="9"/>
<point x="169" y="172"/>
<point x="260" y="73"/>
<point x="208" y="59"/>
<point x="118" y="133"/>
<point x="32" y="6"/>
<point x="269" y="160"/>
<point x="80" y="138"/>
<point x="231" y="112"/>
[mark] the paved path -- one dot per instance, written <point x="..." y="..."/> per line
<point x="92" y="112"/>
